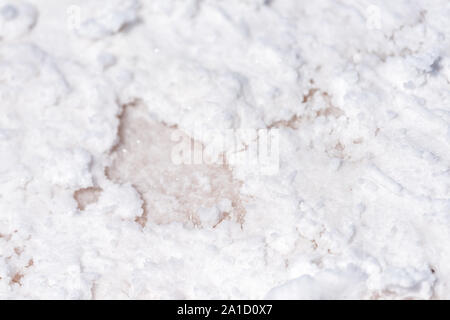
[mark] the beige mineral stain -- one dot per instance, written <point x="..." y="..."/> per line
<point x="86" y="196"/>
<point x="171" y="193"/>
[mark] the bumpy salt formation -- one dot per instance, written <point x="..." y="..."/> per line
<point x="92" y="206"/>
<point x="16" y="19"/>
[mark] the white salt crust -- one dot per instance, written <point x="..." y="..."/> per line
<point x="91" y="206"/>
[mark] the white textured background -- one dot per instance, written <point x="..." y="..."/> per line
<point x="91" y="206"/>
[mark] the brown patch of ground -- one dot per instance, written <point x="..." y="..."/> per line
<point x="170" y="192"/>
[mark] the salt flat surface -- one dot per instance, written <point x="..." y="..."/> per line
<point x="93" y="206"/>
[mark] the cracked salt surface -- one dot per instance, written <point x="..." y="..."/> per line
<point x="93" y="207"/>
